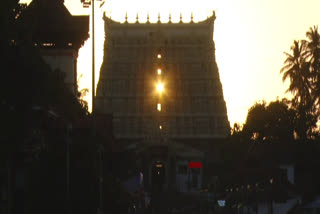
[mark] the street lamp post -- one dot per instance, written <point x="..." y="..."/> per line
<point x="86" y="4"/>
<point x="68" y="142"/>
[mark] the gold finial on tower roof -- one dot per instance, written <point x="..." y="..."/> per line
<point x="159" y="17"/>
<point x="191" y="17"/>
<point x="148" y="18"/>
<point x="126" y="17"/>
<point x="170" y="17"/>
<point x="137" y="18"/>
<point x="180" y="17"/>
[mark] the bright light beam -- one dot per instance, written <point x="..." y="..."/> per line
<point x="160" y="87"/>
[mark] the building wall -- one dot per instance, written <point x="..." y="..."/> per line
<point x="187" y="180"/>
<point x="277" y="208"/>
<point x="64" y="60"/>
<point x="290" y="172"/>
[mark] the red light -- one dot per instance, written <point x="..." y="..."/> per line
<point x="195" y="165"/>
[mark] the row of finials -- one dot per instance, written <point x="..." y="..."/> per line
<point x="148" y="18"/>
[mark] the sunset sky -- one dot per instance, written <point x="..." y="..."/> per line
<point x="250" y="37"/>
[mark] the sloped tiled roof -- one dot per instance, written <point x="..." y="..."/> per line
<point x="50" y="21"/>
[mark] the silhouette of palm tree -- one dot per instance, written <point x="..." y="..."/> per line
<point x="313" y="54"/>
<point x="296" y="68"/>
<point x="313" y="46"/>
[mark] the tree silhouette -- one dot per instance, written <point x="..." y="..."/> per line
<point x="254" y="127"/>
<point x="302" y="68"/>
<point x="274" y="122"/>
<point x="296" y="69"/>
<point x="313" y="53"/>
<point x="281" y="121"/>
<point x="313" y="47"/>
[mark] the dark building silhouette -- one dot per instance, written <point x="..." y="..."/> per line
<point x="58" y="34"/>
<point x="49" y="27"/>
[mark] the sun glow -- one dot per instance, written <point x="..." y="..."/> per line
<point x="160" y="87"/>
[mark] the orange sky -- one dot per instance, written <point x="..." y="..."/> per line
<point x="250" y="37"/>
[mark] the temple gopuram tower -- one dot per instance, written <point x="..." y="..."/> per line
<point x="160" y="81"/>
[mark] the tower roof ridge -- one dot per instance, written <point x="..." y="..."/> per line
<point x="207" y="20"/>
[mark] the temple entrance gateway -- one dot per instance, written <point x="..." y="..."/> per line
<point x="167" y="168"/>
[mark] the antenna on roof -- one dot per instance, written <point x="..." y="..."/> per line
<point x="191" y="17"/>
<point x="148" y="18"/>
<point x="126" y="17"/>
<point x="180" y="17"/>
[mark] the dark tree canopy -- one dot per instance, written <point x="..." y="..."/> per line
<point x="270" y="123"/>
<point x="302" y="68"/>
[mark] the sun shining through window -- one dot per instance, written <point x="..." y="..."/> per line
<point x="160" y="87"/>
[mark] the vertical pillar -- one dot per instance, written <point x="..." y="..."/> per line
<point x="150" y="172"/>
<point x="167" y="165"/>
<point x="68" y="170"/>
<point x="75" y="74"/>
<point x="9" y="184"/>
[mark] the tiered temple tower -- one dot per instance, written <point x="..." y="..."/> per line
<point x="193" y="109"/>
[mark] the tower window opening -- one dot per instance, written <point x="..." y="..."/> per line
<point x="160" y="87"/>
<point x="159" y="71"/>
<point x="159" y="106"/>
<point x="160" y="127"/>
<point x="47" y="44"/>
<point x="159" y="56"/>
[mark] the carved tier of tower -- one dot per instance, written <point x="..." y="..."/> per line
<point x="192" y="102"/>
